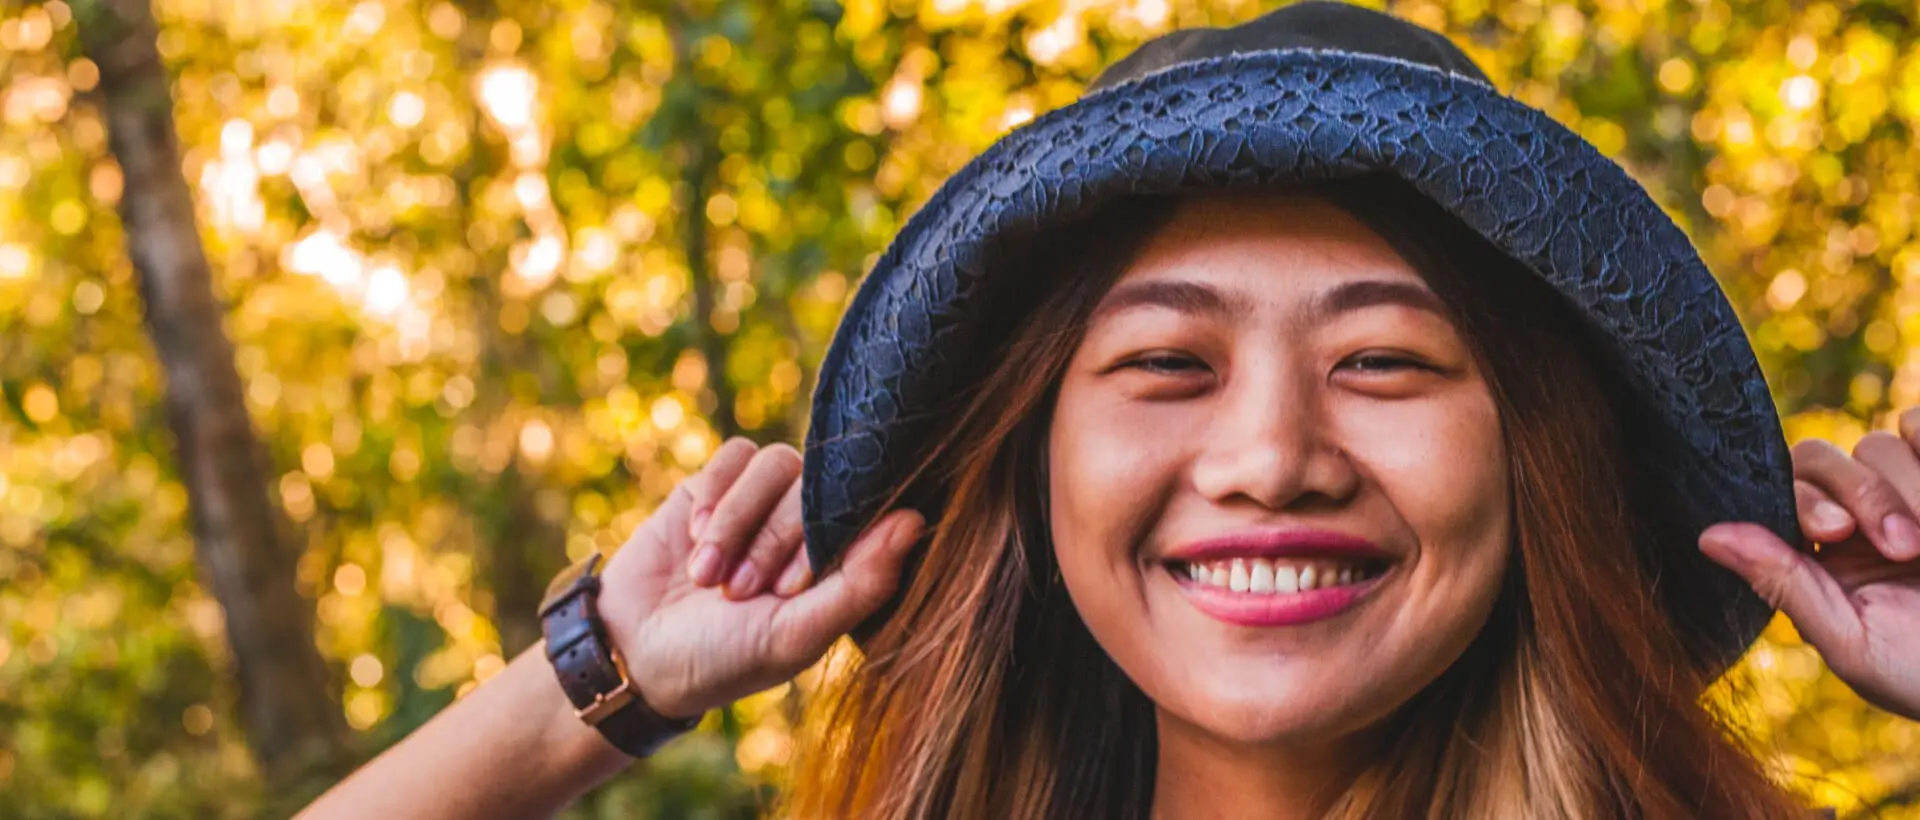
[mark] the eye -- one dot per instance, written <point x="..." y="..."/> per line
<point x="1378" y="362"/>
<point x="1168" y="364"/>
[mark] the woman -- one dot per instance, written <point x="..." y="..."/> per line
<point x="1306" y="431"/>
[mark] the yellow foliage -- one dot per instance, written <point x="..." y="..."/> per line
<point x="455" y="245"/>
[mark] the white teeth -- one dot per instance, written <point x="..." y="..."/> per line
<point x="1262" y="575"/>
<point x="1286" y="579"/>
<point x="1260" y="578"/>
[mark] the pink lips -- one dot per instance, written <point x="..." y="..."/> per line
<point x="1262" y="609"/>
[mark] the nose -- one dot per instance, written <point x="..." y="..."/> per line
<point x="1269" y="443"/>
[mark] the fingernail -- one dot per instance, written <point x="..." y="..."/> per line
<point x="698" y="524"/>
<point x="1713" y="540"/>
<point x="1829" y="516"/>
<point x="794" y="579"/>
<point x="905" y="528"/>
<point x="705" y="566"/>
<point x="1724" y="545"/>
<point x="1902" y="535"/>
<point x="745" y="580"/>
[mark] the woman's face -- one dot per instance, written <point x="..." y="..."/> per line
<point x="1278" y="485"/>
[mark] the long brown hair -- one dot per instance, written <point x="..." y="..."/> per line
<point x="982" y="694"/>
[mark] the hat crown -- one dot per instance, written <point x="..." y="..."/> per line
<point x="1314" y="24"/>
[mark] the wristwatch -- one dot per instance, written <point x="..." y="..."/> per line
<point x="590" y="668"/>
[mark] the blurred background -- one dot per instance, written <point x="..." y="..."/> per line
<point x="430" y="297"/>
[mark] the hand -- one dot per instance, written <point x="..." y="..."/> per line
<point x="1857" y="598"/>
<point x="692" y="645"/>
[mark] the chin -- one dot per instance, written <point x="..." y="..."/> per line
<point x="1311" y="704"/>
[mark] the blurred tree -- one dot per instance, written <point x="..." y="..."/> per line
<point x="522" y="541"/>
<point x="500" y="272"/>
<point x="683" y="126"/>
<point x="292" y="722"/>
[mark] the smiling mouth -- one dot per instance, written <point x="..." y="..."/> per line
<point x="1279" y="591"/>
<point x="1278" y="576"/>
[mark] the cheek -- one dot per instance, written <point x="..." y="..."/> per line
<point x="1445" y="470"/>
<point x="1445" y="474"/>
<point x="1107" y="474"/>
<point x="1109" y="479"/>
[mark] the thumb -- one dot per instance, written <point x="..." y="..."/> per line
<point x="810" y="622"/>
<point x="1789" y="579"/>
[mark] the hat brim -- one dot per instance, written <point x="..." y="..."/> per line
<point x="922" y="318"/>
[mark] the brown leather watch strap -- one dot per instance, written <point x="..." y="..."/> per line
<point x="591" y="670"/>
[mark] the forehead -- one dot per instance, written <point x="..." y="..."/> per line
<point x="1281" y="237"/>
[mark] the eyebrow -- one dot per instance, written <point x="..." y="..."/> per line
<point x="1175" y="295"/>
<point x="1369" y="292"/>
<point x="1207" y="300"/>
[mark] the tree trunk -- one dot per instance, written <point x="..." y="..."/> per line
<point x="524" y="550"/>
<point x="693" y="231"/>
<point x="291" y="721"/>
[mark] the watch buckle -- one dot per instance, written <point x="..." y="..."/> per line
<point x="605" y="704"/>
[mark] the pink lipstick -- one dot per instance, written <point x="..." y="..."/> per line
<point x="1277" y="577"/>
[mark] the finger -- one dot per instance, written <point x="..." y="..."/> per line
<point x="1910" y="426"/>
<point x="1880" y="510"/>
<point x="741" y="512"/>
<point x="810" y="622"/>
<point x="796" y="577"/>
<point x="772" y="546"/>
<point x="1893" y="458"/>
<point x="1821" y="518"/>
<point x="704" y="490"/>
<point x="664" y="525"/>
<point x="1791" y="580"/>
<point x="706" y="487"/>
<point x="1910" y="434"/>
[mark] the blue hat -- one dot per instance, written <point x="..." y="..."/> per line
<point x="1314" y="91"/>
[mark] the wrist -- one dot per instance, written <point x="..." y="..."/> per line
<point x="590" y="668"/>
<point x="623" y="614"/>
<point x="620" y="617"/>
<point x="573" y="745"/>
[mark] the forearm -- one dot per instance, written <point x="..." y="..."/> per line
<point x="511" y="748"/>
